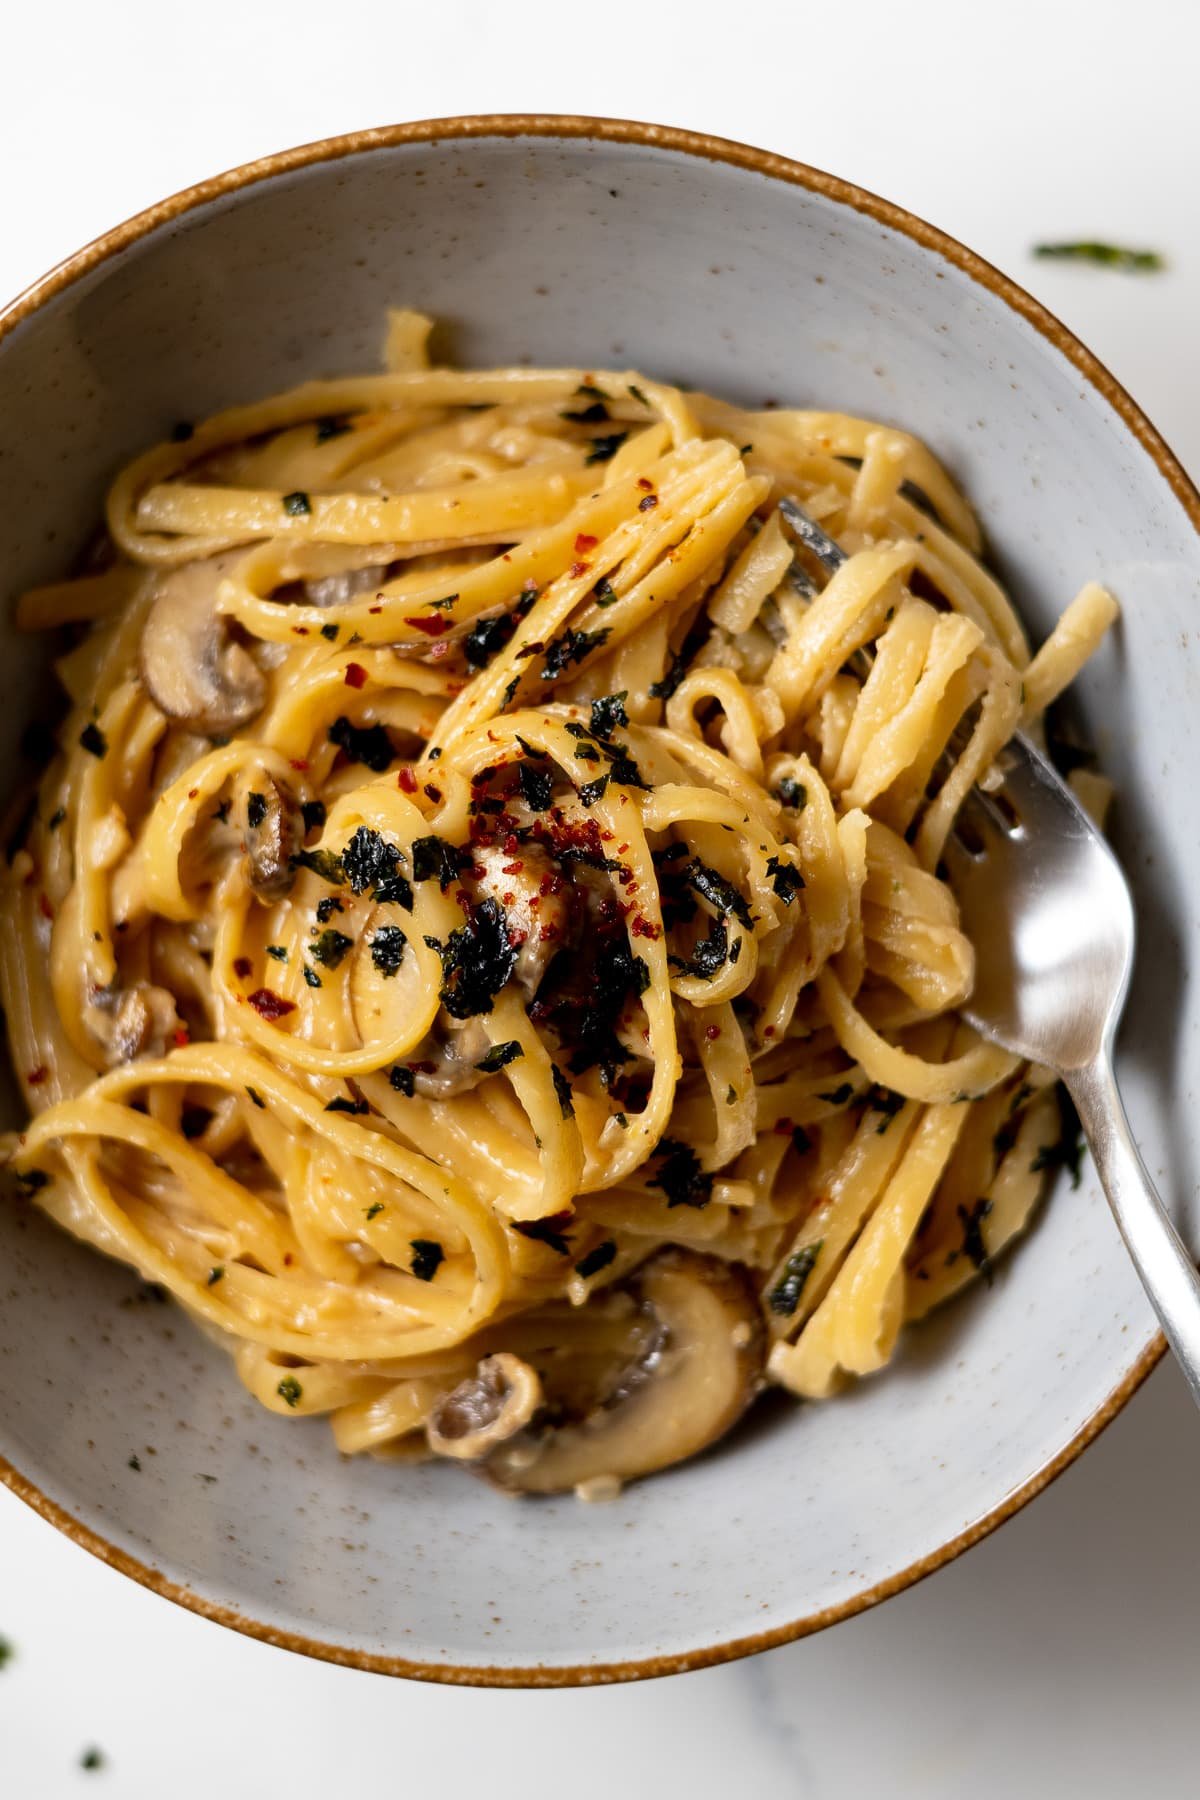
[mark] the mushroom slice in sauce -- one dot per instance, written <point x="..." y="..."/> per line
<point x="486" y="1410"/>
<point x="131" y="1022"/>
<point x="697" y="1371"/>
<point x="274" y="833"/>
<point x="193" y="668"/>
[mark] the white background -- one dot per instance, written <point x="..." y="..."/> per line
<point x="1061" y="1657"/>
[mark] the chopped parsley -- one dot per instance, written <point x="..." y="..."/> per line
<point x="784" y="1297"/>
<point x="428" y="1257"/>
<point x="92" y="1759"/>
<point x="93" y="740"/>
<point x="499" y="1056"/>
<point x="596" y="1259"/>
<point x="886" y="1101"/>
<point x="369" y="745"/>
<point x="330" y="948"/>
<point x="680" y="1176"/>
<point x="297" y="504"/>
<point x="370" y="862"/>
<point x="605" y="447"/>
<point x="387" y="949"/>
<point x="569" y="648"/>
<point x="289" y="1390"/>
<point x="1105" y="256"/>
<point x="477" y="961"/>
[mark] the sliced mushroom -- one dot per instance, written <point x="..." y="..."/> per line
<point x="486" y="1410"/>
<point x="697" y="1370"/>
<point x="274" y="833"/>
<point x="340" y="589"/>
<point x="522" y="882"/>
<point x="192" y="667"/>
<point x="131" y="1022"/>
<point x="453" y="1057"/>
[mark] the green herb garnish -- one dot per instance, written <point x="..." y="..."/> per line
<point x="1105" y="256"/>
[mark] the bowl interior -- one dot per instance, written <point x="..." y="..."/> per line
<point x="544" y="248"/>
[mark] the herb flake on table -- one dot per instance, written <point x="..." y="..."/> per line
<point x="1103" y="256"/>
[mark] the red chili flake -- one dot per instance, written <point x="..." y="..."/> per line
<point x="645" y="483"/>
<point x="44" y="907"/>
<point x="407" y="781"/>
<point x="550" y="884"/>
<point x="712" y="1033"/>
<point x="463" y="898"/>
<point x="432" y="624"/>
<point x="548" y="933"/>
<point x="181" y="1038"/>
<point x="242" y="967"/>
<point x="288" y="1259"/>
<point x="516" y="937"/>
<point x="36" y="1076"/>
<point x="300" y="630"/>
<point x="783" y="1128"/>
<point x="648" y="504"/>
<point x="271" y="1006"/>
<point x="584" y="543"/>
<point x="299" y="763"/>
<point x="508" y="899"/>
<point x="355" y="675"/>
<point x="580" y="568"/>
<point x="435" y="794"/>
<point x="646" y="928"/>
<point x="769" y="1031"/>
<point x="438" y="651"/>
<point x="374" y="609"/>
<point x="192" y="792"/>
<point x="512" y="868"/>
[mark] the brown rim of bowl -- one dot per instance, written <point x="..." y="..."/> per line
<point x="781" y="168"/>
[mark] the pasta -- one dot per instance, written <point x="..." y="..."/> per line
<point x="479" y="942"/>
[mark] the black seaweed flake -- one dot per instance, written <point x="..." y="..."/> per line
<point x="605" y="447"/>
<point x="327" y="907"/>
<point x="973" y="1246"/>
<point x="499" y="1057"/>
<point x="357" y="1108"/>
<point x="215" y="1274"/>
<point x="181" y="431"/>
<point x="793" y="793"/>
<point x="330" y="948"/>
<point x="403" y="1080"/>
<point x="487" y="638"/>
<point x="323" y="863"/>
<point x="257" y="1098"/>
<point x="604" y="593"/>
<point x="720" y="893"/>
<point x="786" y="879"/>
<point x="708" y="956"/>
<point x="548" y="1231"/>
<point x="569" y="648"/>
<point x="93" y="740"/>
<point x="886" y="1101"/>
<point x="591" y="791"/>
<point x="562" y="1088"/>
<point x="278" y="952"/>
<point x="369" y="745"/>
<point x="609" y="712"/>
<point x="33" y="1180"/>
<point x="331" y="427"/>
<point x="387" y="947"/>
<point x="680" y="1176"/>
<point x="256" y="810"/>
<point x="477" y="961"/>
<point x="370" y="862"/>
<point x="433" y="859"/>
<point x="312" y="979"/>
<point x="428" y="1257"/>
<point x="785" y="1296"/>
<point x="596" y="1259"/>
<point x="537" y="786"/>
<point x="595" y="414"/>
<point x="1067" y="1151"/>
<point x="297" y="504"/>
<point x="672" y="676"/>
<point x="313" y="814"/>
<point x="839" y="1095"/>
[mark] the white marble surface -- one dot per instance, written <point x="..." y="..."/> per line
<point x="1059" y="1658"/>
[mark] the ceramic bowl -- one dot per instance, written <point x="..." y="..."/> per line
<point x="568" y="240"/>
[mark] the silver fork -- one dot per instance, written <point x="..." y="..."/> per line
<point x="1045" y="903"/>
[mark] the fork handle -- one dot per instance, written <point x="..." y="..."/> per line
<point x="1159" y="1254"/>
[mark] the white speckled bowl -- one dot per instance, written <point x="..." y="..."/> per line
<point x="582" y="241"/>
